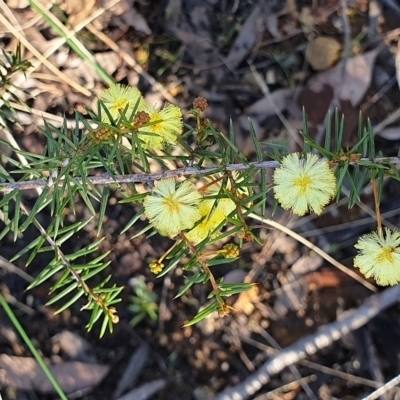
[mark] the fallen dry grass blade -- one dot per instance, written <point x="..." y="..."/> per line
<point x="311" y="246"/>
<point x="72" y="41"/>
<point x="21" y="38"/>
<point x="156" y="86"/>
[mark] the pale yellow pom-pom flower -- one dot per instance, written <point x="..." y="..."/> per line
<point x="171" y="209"/>
<point x="215" y="215"/>
<point x="304" y="184"/>
<point x="119" y="97"/>
<point x="164" y="127"/>
<point x="224" y="204"/>
<point x="379" y="256"/>
<point x="207" y="226"/>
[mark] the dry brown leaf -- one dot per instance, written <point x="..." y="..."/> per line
<point x="324" y="279"/>
<point x="145" y="391"/>
<point x="356" y="80"/>
<point x="108" y="60"/>
<point x="267" y="106"/>
<point x="272" y="26"/>
<point x="136" y="20"/>
<point x="193" y="30"/>
<point x="17" y="4"/>
<point x="125" y="11"/>
<point x="25" y="374"/>
<point x="77" y="10"/>
<point x="263" y="16"/>
<point x="73" y="345"/>
<point x="250" y="32"/>
<point x="132" y="371"/>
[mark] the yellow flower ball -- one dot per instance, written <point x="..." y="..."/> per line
<point x="207" y="226"/>
<point x="231" y="250"/>
<point x="164" y="127"/>
<point x="225" y="204"/>
<point x="119" y="97"/>
<point x="215" y="211"/>
<point x="304" y="184"/>
<point x="379" y="256"/>
<point x="171" y="209"/>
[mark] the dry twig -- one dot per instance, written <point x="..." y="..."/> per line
<point x="309" y="345"/>
<point x="106" y="179"/>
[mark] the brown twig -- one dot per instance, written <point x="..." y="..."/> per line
<point x="106" y="179"/>
<point x="204" y="267"/>
<point x="388" y="385"/>
<point x="316" y="249"/>
<point x="312" y="343"/>
<point x="67" y="265"/>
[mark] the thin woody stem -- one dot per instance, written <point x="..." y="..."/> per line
<point x="106" y="179"/>
<point x="88" y="291"/>
<point x="57" y="250"/>
<point x="204" y="188"/>
<point x="162" y="258"/>
<point x="204" y="267"/>
<point x="237" y="204"/>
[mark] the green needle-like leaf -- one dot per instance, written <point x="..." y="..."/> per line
<point x="70" y="302"/>
<point x="103" y="207"/>
<point x="203" y="314"/>
<point x="43" y="201"/>
<point x="62" y="294"/>
<point x="75" y="45"/>
<point x="198" y="277"/>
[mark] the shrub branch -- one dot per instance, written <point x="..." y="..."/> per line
<point x="106" y="179"/>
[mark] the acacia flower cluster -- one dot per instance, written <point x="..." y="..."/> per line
<point x="214" y="211"/>
<point x="101" y="134"/>
<point x="164" y="127"/>
<point x="379" y="256"/>
<point x="210" y="221"/>
<point x="304" y="184"/>
<point x="170" y="209"/>
<point x="155" y="128"/>
<point x="301" y="184"/>
<point x="121" y="98"/>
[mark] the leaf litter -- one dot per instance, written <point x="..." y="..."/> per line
<point x="207" y="48"/>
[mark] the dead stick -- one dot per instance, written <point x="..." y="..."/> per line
<point x="105" y="179"/>
<point x="309" y="345"/>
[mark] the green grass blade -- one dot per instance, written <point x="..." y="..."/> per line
<point x="75" y="45"/>
<point x="103" y="206"/>
<point x="32" y="348"/>
<point x="203" y="314"/>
